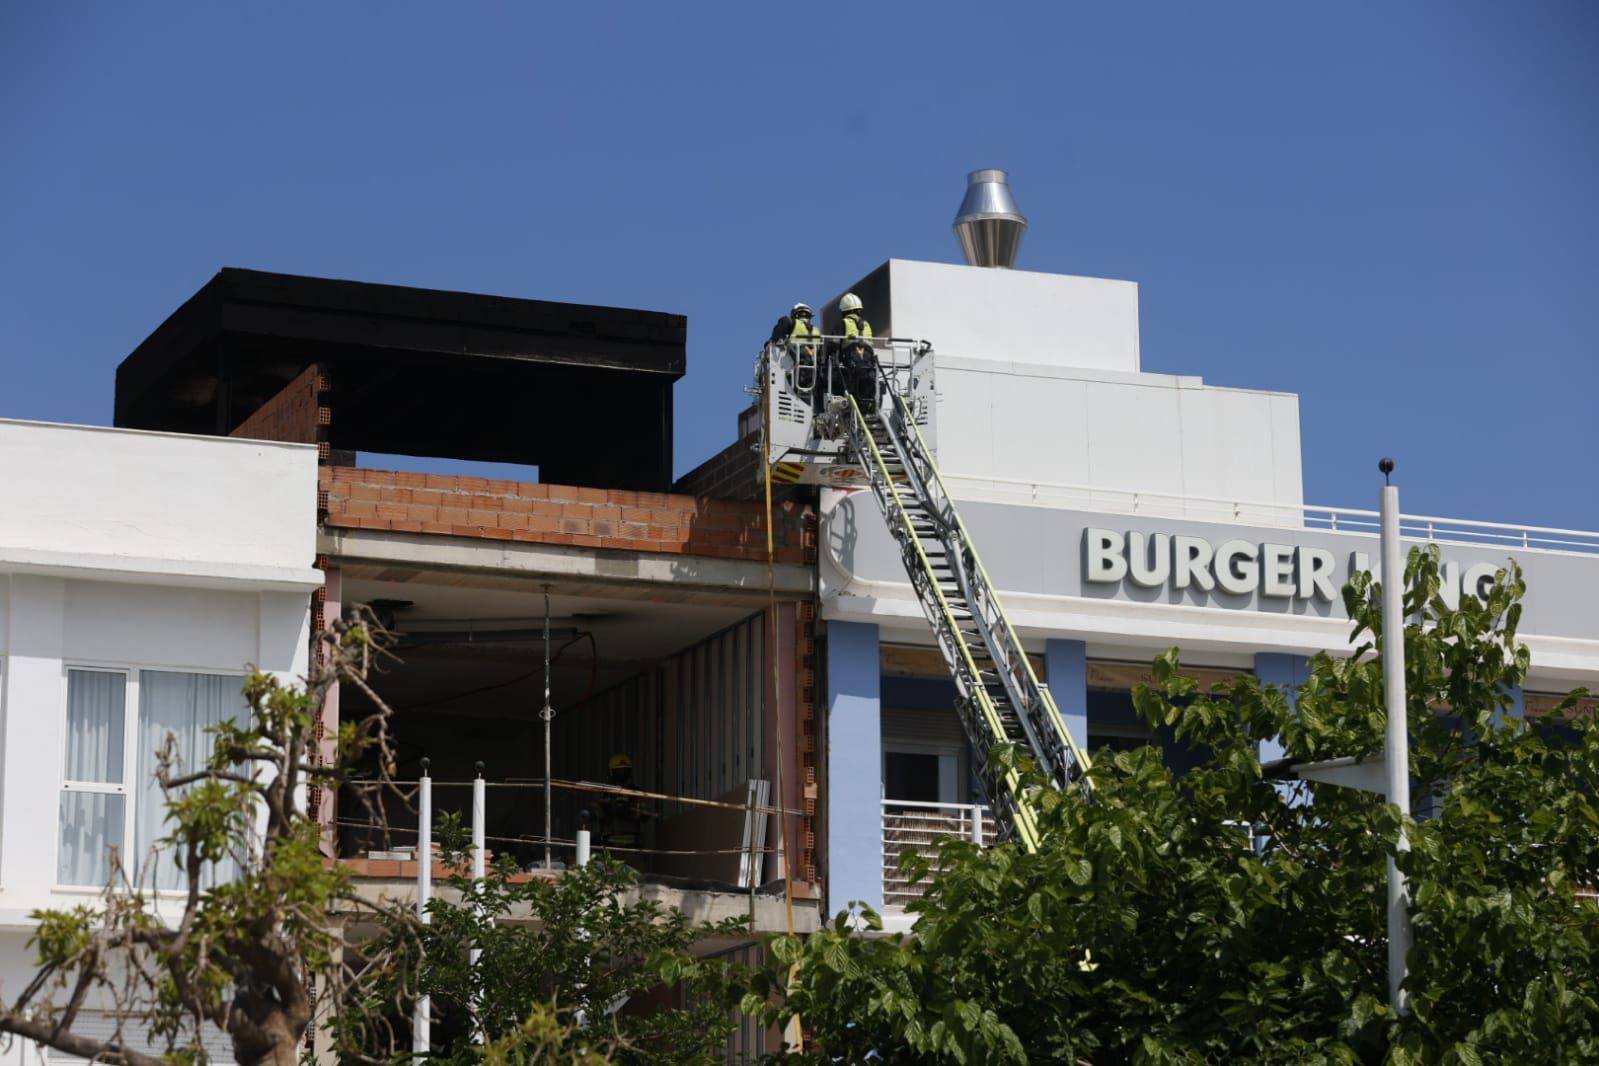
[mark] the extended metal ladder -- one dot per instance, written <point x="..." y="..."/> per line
<point x="999" y="698"/>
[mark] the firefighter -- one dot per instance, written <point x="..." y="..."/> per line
<point x="856" y="357"/>
<point x="805" y="348"/>
<point x="620" y="816"/>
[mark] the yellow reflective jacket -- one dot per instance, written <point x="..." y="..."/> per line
<point x="856" y="326"/>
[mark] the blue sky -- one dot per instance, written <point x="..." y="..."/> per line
<point x="1389" y="209"/>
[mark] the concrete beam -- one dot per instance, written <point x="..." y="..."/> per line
<point x="463" y="561"/>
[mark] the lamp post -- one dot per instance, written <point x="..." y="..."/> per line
<point x="1389" y="775"/>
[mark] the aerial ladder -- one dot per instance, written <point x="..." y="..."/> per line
<point x="871" y="429"/>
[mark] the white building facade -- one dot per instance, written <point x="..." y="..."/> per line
<point x="1119" y="513"/>
<point x="141" y="576"/>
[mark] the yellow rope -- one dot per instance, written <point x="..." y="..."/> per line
<point x="795" y="1036"/>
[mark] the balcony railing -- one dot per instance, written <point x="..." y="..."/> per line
<point x="1288" y="515"/>
<point x="919" y="828"/>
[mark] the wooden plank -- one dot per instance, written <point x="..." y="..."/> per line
<point x="905" y="660"/>
<point x="1123" y="676"/>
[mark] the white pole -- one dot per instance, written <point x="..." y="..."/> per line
<point x="582" y="847"/>
<point x="479" y="821"/>
<point x="548" y="714"/>
<point x="1397" y="755"/>
<point x="421" y="1022"/>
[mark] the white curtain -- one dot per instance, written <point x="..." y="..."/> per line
<point x="91" y="821"/>
<point x="186" y="706"/>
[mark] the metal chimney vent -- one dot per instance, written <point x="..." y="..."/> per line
<point x="988" y="225"/>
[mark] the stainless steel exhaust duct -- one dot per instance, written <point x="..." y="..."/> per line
<point x="988" y="225"/>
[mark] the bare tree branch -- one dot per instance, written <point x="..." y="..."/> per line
<point x="243" y="959"/>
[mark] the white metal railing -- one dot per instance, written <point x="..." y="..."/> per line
<point x="1307" y="516"/>
<point x="920" y="828"/>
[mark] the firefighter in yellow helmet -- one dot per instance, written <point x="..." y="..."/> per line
<point x="620" y="815"/>
<point x="856" y="356"/>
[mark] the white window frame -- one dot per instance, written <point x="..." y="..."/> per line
<point x="130" y="759"/>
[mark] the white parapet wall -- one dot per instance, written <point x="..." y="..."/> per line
<point x="1020" y="432"/>
<point x="156" y="505"/>
<point x="147" y="569"/>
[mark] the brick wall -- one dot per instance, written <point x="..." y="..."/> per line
<point x="734" y="473"/>
<point x="357" y="498"/>
<point x="295" y="414"/>
<point x="731" y="474"/>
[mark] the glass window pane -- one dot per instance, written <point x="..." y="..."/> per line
<point x="95" y="707"/>
<point x="91" y="824"/>
<point x="185" y="706"/>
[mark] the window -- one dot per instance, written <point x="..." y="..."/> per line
<point x="116" y="724"/>
<point x="917" y="777"/>
<point x="924" y="754"/>
<point x="93" y="796"/>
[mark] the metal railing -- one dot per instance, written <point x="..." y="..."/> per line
<point x="920" y="828"/>
<point x="1291" y="515"/>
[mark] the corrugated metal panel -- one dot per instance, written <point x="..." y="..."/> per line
<point x="747" y="1043"/>
<point x="695" y="727"/>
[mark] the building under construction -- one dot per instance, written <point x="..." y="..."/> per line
<point x="809" y="646"/>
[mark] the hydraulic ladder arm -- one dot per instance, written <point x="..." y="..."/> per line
<point x="999" y="698"/>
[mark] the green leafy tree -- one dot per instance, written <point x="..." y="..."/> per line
<point x="1223" y="916"/>
<point x="240" y="955"/>
<point x="574" y="969"/>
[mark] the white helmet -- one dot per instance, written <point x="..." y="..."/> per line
<point x="849" y="303"/>
<point x="801" y="309"/>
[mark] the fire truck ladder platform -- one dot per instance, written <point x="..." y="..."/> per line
<point x="998" y="697"/>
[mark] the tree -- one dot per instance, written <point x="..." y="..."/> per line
<point x="240" y="954"/>
<point x="559" y="962"/>
<point x="1223" y="916"/>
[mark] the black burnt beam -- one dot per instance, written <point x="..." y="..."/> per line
<point x="584" y="392"/>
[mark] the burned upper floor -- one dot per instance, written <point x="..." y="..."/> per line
<point x="582" y="392"/>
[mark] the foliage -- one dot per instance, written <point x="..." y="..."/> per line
<point x="562" y="963"/>
<point x="1224" y="916"/>
<point x="240" y="955"/>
